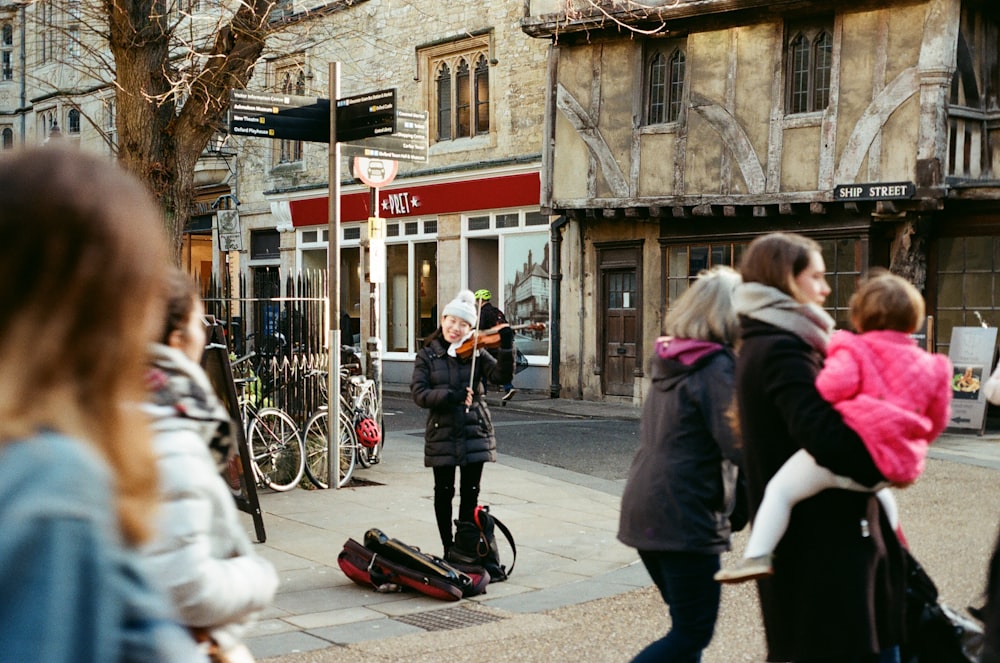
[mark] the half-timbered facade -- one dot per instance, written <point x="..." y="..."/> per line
<point x="678" y="131"/>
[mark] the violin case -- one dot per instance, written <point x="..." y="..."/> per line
<point x="386" y="564"/>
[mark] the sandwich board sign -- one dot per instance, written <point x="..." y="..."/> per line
<point x="971" y="353"/>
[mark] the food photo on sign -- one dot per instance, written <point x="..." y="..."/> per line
<point x="966" y="382"/>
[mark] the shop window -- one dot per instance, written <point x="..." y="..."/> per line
<point x="664" y="87"/>
<point x="686" y="261"/>
<point x="844" y="260"/>
<point x="808" y="67"/>
<point x="966" y="285"/>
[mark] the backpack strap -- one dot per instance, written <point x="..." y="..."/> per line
<point x="510" y="540"/>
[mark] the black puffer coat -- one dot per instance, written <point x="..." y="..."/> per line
<point x="838" y="586"/>
<point x="453" y="436"/>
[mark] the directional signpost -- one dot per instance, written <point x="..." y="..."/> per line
<point x="366" y="125"/>
<point x="371" y="116"/>
<point x="407" y="143"/>
<point x="282" y="116"/>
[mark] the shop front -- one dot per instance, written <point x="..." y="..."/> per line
<point x="442" y="234"/>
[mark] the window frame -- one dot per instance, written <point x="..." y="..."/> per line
<point x="664" y="94"/>
<point x="7" y="51"/>
<point x="289" y="78"/>
<point x="808" y="62"/>
<point x="459" y="88"/>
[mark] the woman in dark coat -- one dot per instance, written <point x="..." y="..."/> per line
<point x="459" y="429"/>
<point x="838" y="586"/>
<point x="681" y="488"/>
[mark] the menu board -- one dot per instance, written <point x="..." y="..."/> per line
<point x="971" y="354"/>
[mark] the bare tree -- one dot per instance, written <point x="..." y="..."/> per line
<point x="172" y="94"/>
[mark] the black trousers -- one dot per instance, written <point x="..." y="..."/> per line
<point x="444" y="493"/>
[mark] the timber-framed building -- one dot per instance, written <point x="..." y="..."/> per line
<point x="677" y="131"/>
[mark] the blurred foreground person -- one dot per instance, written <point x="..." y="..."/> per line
<point x="200" y="553"/>
<point x="80" y="267"/>
<point x="682" y="488"/>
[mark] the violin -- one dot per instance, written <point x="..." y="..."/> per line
<point x="490" y="338"/>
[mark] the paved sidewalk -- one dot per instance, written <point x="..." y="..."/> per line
<point x="564" y="524"/>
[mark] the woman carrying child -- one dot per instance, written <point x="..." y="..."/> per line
<point x="894" y="394"/>
<point x="837" y="593"/>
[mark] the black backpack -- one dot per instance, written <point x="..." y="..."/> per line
<point x="476" y="544"/>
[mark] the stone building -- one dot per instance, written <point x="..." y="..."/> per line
<point x="678" y="131"/>
<point x="467" y="217"/>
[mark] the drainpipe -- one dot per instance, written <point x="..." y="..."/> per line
<point x="555" y="281"/>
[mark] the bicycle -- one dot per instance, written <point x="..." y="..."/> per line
<point x="315" y="438"/>
<point x="277" y="452"/>
<point x="367" y="418"/>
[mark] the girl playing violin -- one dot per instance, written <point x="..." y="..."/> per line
<point x="447" y="380"/>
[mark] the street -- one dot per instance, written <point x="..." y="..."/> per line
<point x="600" y="448"/>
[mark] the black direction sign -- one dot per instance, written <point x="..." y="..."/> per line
<point x="275" y="115"/>
<point x="409" y="143"/>
<point x="366" y="115"/>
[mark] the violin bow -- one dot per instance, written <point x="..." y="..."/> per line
<point x="475" y="347"/>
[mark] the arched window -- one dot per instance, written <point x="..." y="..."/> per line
<point x="460" y="74"/>
<point x="291" y="80"/>
<point x="809" y="68"/>
<point x="443" y="84"/>
<point x="73" y="118"/>
<point x="665" y="85"/>
<point x="8" y="138"/>
<point x="481" y="89"/>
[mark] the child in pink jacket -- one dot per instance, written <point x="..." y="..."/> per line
<point x="895" y="395"/>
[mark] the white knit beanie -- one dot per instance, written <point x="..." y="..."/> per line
<point x="462" y="307"/>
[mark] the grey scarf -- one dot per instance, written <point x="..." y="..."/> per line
<point x="807" y="321"/>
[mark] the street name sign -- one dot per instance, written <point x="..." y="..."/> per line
<point x="875" y="191"/>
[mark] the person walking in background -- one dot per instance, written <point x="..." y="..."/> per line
<point x="81" y="263"/>
<point x="894" y="394"/>
<point x="837" y="593"/>
<point x="682" y="486"/>
<point x="489" y="317"/>
<point x="459" y="431"/>
<point x="200" y="554"/>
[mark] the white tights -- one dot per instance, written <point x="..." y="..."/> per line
<point x="799" y="478"/>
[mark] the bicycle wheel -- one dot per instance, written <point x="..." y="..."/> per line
<point x="276" y="449"/>
<point x="316" y="448"/>
<point x="367" y="405"/>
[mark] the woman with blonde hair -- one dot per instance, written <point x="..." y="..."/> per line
<point x="682" y="488"/>
<point x="81" y="262"/>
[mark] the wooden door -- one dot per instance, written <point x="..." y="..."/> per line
<point x="620" y="331"/>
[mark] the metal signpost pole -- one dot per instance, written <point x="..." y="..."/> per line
<point x="333" y="276"/>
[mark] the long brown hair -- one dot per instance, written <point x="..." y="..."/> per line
<point x="81" y="263"/>
<point x="776" y="259"/>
